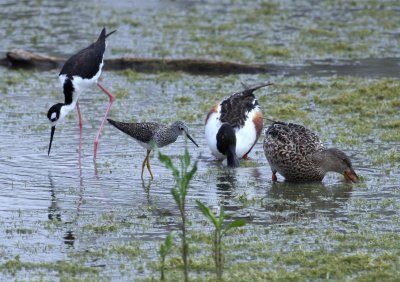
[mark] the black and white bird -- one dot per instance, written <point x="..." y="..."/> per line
<point x="79" y="72"/>
<point x="149" y="134"/>
<point x="234" y="125"/>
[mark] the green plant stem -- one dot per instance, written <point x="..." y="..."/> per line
<point x="185" y="247"/>
<point x="219" y="257"/>
<point x="162" y="269"/>
<point x="217" y="250"/>
<point x="179" y="193"/>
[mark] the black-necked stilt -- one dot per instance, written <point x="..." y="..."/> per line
<point x="234" y="125"/>
<point x="149" y="134"/>
<point x="299" y="155"/>
<point x="79" y="72"/>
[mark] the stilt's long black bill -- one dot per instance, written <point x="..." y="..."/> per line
<point x="191" y="139"/>
<point x="53" y="128"/>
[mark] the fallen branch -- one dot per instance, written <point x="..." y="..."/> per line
<point x="24" y="59"/>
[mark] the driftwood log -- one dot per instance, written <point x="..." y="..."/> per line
<point x="17" y="58"/>
<point x="369" y="67"/>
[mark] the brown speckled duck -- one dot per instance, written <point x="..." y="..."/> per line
<point x="299" y="155"/>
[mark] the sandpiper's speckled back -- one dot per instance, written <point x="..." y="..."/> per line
<point x="288" y="148"/>
<point x="148" y="133"/>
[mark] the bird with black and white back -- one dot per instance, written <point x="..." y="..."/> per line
<point x="234" y="125"/>
<point x="79" y="72"/>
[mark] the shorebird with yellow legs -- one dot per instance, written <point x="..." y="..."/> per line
<point x="149" y="134"/>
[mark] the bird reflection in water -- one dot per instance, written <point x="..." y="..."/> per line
<point x="294" y="201"/>
<point x="226" y="184"/>
<point x="54" y="210"/>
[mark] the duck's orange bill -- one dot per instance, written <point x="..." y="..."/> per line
<point x="350" y="175"/>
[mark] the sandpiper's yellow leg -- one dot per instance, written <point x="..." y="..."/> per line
<point x="148" y="164"/>
<point x="143" y="164"/>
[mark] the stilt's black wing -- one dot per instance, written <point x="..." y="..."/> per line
<point x="86" y="63"/>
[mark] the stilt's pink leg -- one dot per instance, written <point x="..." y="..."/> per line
<point x="96" y="141"/>
<point x="79" y="116"/>
<point x="80" y="147"/>
<point x="80" y="132"/>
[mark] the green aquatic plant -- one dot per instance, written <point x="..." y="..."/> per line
<point x="179" y="192"/>
<point x="165" y="249"/>
<point x="219" y="232"/>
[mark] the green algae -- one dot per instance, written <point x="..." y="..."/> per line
<point x="329" y="259"/>
<point x="391" y="156"/>
<point x="12" y="266"/>
<point x="129" y="250"/>
<point x="121" y="93"/>
<point x="368" y="99"/>
<point x="227" y="35"/>
<point x="182" y="100"/>
<point x="248" y="163"/>
<point x="320" y="32"/>
<point x="357" y="254"/>
<point x="131" y="75"/>
<point x="102" y="228"/>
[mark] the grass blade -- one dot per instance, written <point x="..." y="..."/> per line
<point x="235" y="224"/>
<point x="207" y="213"/>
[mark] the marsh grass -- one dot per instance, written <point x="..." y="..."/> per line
<point x="165" y="249"/>
<point x="182" y="176"/>
<point x="219" y="232"/>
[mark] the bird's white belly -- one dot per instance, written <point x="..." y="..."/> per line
<point x="79" y="83"/>
<point x="147" y="146"/>
<point x="245" y="136"/>
<point x="211" y="129"/>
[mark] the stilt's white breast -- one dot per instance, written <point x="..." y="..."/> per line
<point x="80" y="84"/>
<point x="62" y="78"/>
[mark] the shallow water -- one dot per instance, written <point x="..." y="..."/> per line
<point x="53" y="207"/>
